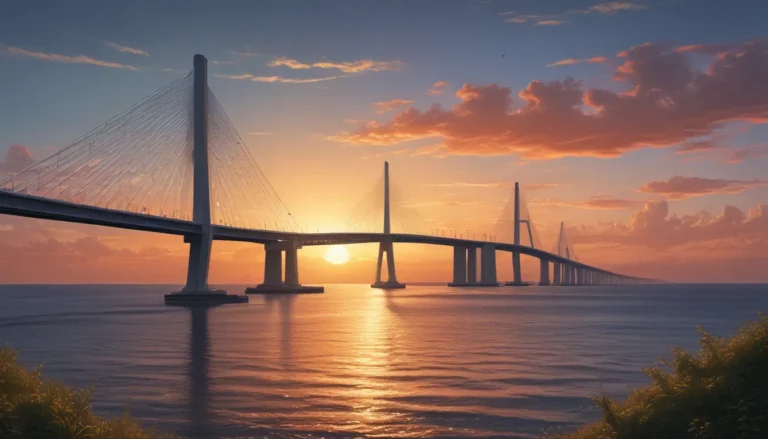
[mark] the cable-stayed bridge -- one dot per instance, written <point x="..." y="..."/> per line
<point x="175" y="164"/>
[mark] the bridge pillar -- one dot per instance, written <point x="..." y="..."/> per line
<point x="488" y="266"/>
<point x="459" y="267"/>
<point x="197" y="290"/>
<point x="544" y="272"/>
<point x="517" y="278"/>
<point x="556" y="272"/>
<point x="274" y="281"/>
<point x="472" y="265"/>
<point x="273" y="266"/>
<point x="386" y="246"/>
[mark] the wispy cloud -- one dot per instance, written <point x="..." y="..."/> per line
<point x="749" y="152"/>
<point x="550" y="22"/>
<point x="592" y="203"/>
<point x="224" y="63"/>
<point x="680" y="187"/>
<point x="126" y="49"/>
<point x="438" y="88"/>
<point x="571" y="61"/>
<point x="472" y="185"/>
<point x="55" y="57"/>
<point x="260" y="133"/>
<point x="383" y="107"/>
<point x="605" y="8"/>
<point x="245" y="53"/>
<point x="363" y="65"/>
<point x="542" y="186"/>
<point x="280" y="79"/>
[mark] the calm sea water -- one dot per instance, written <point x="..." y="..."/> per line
<point x="357" y="362"/>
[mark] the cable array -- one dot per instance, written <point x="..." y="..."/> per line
<point x="241" y="195"/>
<point x="504" y="231"/>
<point x="564" y="247"/>
<point x="368" y="214"/>
<point x="139" y="161"/>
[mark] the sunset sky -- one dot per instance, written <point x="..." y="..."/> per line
<point x="641" y="125"/>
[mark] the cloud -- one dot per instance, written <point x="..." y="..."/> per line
<point x="542" y="186"/>
<point x="696" y="146"/>
<point x="279" y="79"/>
<point x="126" y="49"/>
<point x="592" y="203"/>
<point x="571" y="61"/>
<point x="383" y="107"/>
<point x="666" y="102"/>
<point x="610" y="8"/>
<point x="438" y="88"/>
<point x="655" y="227"/>
<point x="17" y="157"/>
<point x="245" y="54"/>
<point x="678" y="187"/>
<point x="749" y="152"/>
<point x="550" y="22"/>
<point x="472" y="185"/>
<point x="364" y="65"/>
<point x="605" y="8"/>
<point x="55" y="57"/>
<point x="259" y="133"/>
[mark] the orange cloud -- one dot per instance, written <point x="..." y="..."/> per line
<point x="696" y="146"/>
<point x="610" y="8"/>
<point x="55" y="57"/>
<point x="669" y="103"/>
<point x="592" y="203"/>
<point x="393" y="104"/>
<point x="678" y="187"/>
<point x="364" y="65"/>
<point x="437" y="88"/>
<point x="571" y="61"/>
<point x="541" y="186"/>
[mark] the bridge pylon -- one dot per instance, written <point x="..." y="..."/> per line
<point x="517" y="279"/>
<point x="386" y="245"/>
<point x="197" y="289"/>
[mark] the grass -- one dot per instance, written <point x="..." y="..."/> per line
<point x="722" y="392"/>
<point x="35" y="407"/>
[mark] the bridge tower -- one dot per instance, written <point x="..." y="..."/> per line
<point x="385" y="245"/>
<point x="517" y="275"/>
<point x="196" y="289"/>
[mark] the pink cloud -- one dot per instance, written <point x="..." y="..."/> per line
<point x="359" y="66"/>
<point x="549" y="22"/>
<point x="17" y="157"/>
<point x="679" y="187"/>
<point x="666" y="103"/>
<point x="749" y="152"/>
<point x="592" y="203"/>
<point x="696" y="146"/>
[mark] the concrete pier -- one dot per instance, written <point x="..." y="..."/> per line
<point x="488" y="266"/>
<point x="556" y="272"/>
<point x="544" y="272"/>
<point x="273" y="275"/>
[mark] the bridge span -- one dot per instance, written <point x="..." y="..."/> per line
<point x="109" y="178"/>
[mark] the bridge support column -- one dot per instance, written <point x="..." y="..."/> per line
<point x="197" y="291"/>
<point x="556" y="273"/>
<point x="273" y="266"/>
<point x="544" y="272"/>
<point x="391" y="283"/>
<point x="488" y="266"/>
<point x="472" y="266"/>
<point x="459" y="267"/>
<point x="273" y="271"/>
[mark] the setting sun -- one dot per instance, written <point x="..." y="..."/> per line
<point x="337" y="254"/>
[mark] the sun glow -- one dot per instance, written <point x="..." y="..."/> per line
<point x="337" y="254"/>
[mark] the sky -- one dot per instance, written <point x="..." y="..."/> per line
<point x="639" y="125"/>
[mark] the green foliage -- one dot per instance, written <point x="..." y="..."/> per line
<point x="34" y="407"/>
<point x="720" y="393"/>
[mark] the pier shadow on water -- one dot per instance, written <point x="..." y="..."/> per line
<point x="199" y="391"/>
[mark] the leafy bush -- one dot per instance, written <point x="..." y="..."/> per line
<point x="720" y="393"/>
<point x="34" y="407"/>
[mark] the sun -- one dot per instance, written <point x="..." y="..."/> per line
<point x="337" y="254"/>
